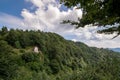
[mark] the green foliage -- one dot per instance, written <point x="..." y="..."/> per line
<point x="17" y="44"/>
<point x="7" y="63"/>
<point x="55" y="67"/>
<point x="58" y="59"/>
<point x="31" y="57"/>
<point x="97" y="12"/>
<point x="4" y="30"/>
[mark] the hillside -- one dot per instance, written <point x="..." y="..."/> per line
<point x="58" y="59"/>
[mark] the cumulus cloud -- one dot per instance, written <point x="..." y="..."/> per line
<point x="89" y="36"/>
<point x="48" y="15"/>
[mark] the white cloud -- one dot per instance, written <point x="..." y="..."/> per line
<point x="47" y="17"/>
<point x="10" y="20"/>
<point x="89" y="36"/>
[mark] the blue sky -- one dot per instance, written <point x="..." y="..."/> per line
<point x="46" y="15"/>
<point x="12" y="7"/>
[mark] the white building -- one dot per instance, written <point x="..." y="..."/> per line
<point x="36" y="50"/>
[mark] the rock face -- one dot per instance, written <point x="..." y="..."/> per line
<point x="36" y="49"/>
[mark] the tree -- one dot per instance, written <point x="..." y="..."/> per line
<point x="12" y="37"/>
<point x="97" y="12"/>
<point x="8" y="64"/>
<point x="4" y="30"/>
<point x="55" y="67"/>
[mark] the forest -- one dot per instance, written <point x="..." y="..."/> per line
<point x="58" y="58"/>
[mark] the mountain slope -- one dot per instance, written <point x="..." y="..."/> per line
<point x="58" y="59"/>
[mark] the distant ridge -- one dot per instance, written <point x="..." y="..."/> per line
<point x="115" y="49"/>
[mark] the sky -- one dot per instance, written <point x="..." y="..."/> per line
<point x="47" y="15"/>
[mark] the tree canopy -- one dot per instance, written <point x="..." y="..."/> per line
<point x="99" y="13"/>
<point x="58" y="59"/>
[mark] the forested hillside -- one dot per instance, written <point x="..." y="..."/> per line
<point x="58" y="59"/>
